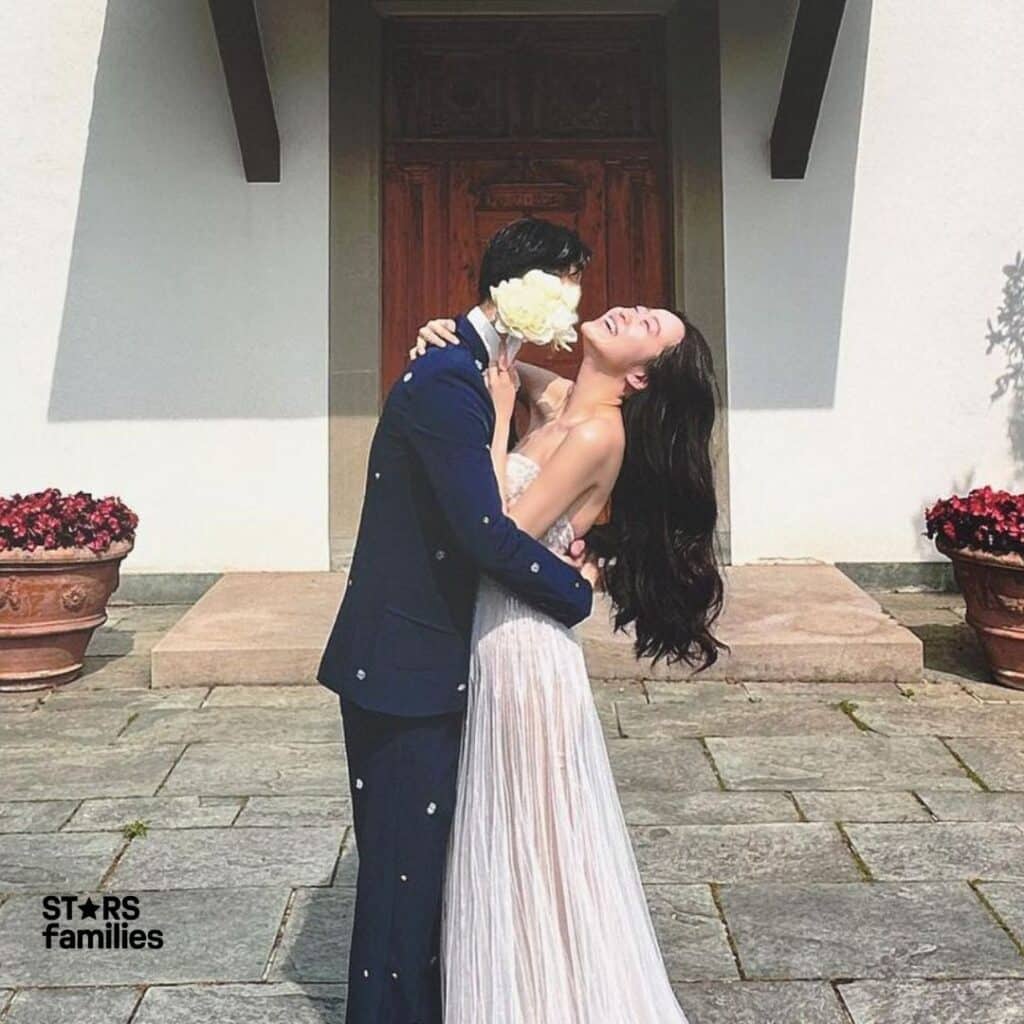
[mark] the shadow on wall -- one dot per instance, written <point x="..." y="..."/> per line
<point x="1007" y="334"/>
<point x="787" y="242"/>
<point x="191" y="293"/>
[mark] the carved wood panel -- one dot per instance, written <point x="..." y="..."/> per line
<point x="557" y="119"/>
<point x="562" y="78"/>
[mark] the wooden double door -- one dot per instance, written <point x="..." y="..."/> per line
<point x="487" y="120"/>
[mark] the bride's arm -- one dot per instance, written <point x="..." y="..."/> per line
<point x="588" y="458"/>
<point x="543" y="391"/>
<point x="499" y="453"/>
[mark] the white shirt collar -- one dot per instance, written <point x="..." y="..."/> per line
<point x="490" y="336"/>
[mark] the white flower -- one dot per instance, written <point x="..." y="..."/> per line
<point x="537" y="307"/>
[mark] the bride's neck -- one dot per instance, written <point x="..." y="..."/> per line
<point x="593" y="392"/>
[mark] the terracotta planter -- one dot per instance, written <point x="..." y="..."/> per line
<point x="50" y="603"/>
<point x="993" y="587"/>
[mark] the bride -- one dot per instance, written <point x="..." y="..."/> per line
<point x="545" y="920"/>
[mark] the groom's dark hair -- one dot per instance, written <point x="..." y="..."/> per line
<point x="528" y="244"/>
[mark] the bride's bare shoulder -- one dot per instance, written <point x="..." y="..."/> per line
<point x="602" y="436"/>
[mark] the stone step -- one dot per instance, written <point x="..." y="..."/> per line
<point x="784" y="622"/>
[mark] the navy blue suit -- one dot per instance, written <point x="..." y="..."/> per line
<point x="398" y="657"/>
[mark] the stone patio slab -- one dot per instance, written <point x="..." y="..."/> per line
<point x="861" y="805"/>
<point x="730" y="718"/>
<point x="268" y="769"/>
<point x="915" y="718"/>
<point x="114" y="673"/>
<point x="939" y="687"/>
<point x="209" y="935"/>
<point x="927" y="1002"/>
<point x="691" y="935"/>
<point x="130" y="699"/>
<point x="283" y="1003"/>
<point x="994" y="693"/>
<point x="821" y="690"/>
<point x="950" y="806"/>
<point x="347" y="870"/>
<point x="107" y="814"/>
<point x="300" y="696"/>
<point x="615" y="691"/>
<point x="10" y="702"/>
<point x="1007" y="900"/>
<point x="860" y="761"/>
<point x="276" y="811"/>
<point x="660" y="765"/>
<point x="999" y="762"/>
<point x="782" y="621"/>
<point x="149" y="618"/>
<point x="84" y="726"/>
<point x="80" y="1005"/>
<point x="748" y="853"/>
<point x="54" y="862"/>
<point x="113" y="641"/>
<point x="867" y="930"/>
<point x="217" y="858"/>
<point x="661" y="691"/>
<point x="35" y="815"/>
<point x="760" y="1002"/>
<point x="240" y="725"/>
<point x="712" y="807"/>
<point x="941" y="850"/>
<point x="51" y="771"/>
<point x="315" y="942"/>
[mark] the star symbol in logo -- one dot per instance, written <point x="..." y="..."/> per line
<point x="89" y="908"/>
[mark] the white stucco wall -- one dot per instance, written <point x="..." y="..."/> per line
<point x="858" y="299"/>
<point x="163" y="323"/>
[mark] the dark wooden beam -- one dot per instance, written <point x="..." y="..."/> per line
<point x="810" y="58"/>
<point x="241" y="53"/>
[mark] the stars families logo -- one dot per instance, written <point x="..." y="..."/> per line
<point x="112" y="915"/>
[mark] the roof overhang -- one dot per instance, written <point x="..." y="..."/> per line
<point x="241" y="52"/>
<point x="803" y="87"/>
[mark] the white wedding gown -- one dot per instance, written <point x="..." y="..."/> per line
<point x="545" y="920"/>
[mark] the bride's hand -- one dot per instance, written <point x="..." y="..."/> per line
<point x="434" y="332"/>
<point x="502" y="381"/>
<point x="502" y="385"/>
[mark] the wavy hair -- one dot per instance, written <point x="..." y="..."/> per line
<point x="659" y="540"/>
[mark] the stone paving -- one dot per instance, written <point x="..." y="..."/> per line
<point x="813" y="854"/>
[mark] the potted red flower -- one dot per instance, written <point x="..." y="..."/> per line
<point x="60" y="558"/>
<point x="983" y="535"/>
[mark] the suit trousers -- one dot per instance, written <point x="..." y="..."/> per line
<point x="402" y="776"/>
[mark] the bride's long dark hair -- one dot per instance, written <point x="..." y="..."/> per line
<point x="662" y="573"/>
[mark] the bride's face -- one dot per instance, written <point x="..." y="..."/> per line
<point x="626" y="338"/>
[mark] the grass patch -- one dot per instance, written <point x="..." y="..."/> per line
<point x="134" y="829"/>
<point x="849" y="708"/>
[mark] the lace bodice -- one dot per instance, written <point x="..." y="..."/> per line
<point x="520" y="472"/>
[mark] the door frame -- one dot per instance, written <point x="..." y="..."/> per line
<point x="694" y="97"/>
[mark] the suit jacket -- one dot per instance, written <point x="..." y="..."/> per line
<point x="432" y="521"/>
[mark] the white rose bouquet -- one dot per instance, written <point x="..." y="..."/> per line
<point x="537" y="307"/>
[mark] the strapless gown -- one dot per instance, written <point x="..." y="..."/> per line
<point x="544" y="918"/>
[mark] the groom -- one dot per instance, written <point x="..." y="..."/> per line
<point x="398" y="653"/>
